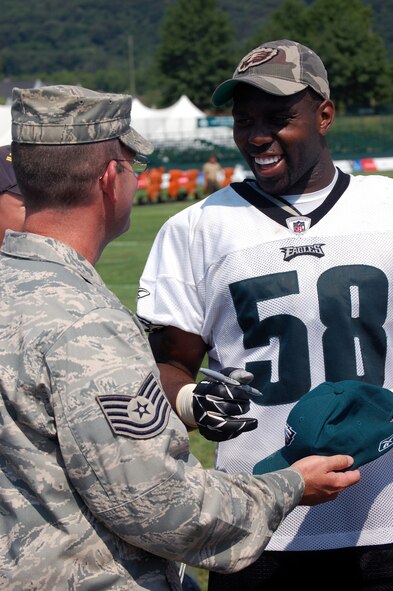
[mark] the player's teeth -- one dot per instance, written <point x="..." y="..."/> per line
<point x="263" y="161"/>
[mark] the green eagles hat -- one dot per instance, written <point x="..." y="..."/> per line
<point x="64" y="114"/>
<point x="349" y="417"/>
<point x="278" y="67"/>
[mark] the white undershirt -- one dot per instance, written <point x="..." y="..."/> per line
<point x="307" y="202"/>
<point x="304" y="202"/>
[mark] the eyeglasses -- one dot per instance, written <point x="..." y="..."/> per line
<point x="138" y="163"/>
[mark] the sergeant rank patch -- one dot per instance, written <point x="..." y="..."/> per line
<point x="140" y="417"/>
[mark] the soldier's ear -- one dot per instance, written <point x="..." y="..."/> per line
<point x="108" y="179"/>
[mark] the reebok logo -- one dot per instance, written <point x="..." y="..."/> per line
<point x="142" y="293"/>
<point x="385" y="443"/>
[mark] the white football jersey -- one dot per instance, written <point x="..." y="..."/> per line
<point x="296" y="300"/>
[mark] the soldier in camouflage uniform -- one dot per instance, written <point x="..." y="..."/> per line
<point x="98" y="488"/>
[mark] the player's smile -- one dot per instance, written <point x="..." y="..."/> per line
<point x="267" y="165"/>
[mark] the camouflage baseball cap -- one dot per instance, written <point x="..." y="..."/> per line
<point x="64" y="114"/>
<point x="278" y="67"/>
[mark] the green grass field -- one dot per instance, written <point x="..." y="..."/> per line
<point x="121" y="265"/>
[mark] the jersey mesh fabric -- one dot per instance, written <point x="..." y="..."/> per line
<point x="296" y="311"/>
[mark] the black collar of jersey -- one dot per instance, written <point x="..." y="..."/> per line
<point x="279" y="215"/>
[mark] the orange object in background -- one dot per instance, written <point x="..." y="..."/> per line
<point x="192" y="184"/>
<point x="178" y="180"/>
<point x="143" y="180"/>
<point x="159" y="184"/>
<point x="153" y="185"/>
<point x="228" y="171"/>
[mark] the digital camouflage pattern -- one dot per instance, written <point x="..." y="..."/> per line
<point x="93" y="494"/>
<point x="279" y="67"/>
<point x="76" y="116"/>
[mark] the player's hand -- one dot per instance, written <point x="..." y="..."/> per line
<point x="218" y="406"/>
<point x="325" y="477"/>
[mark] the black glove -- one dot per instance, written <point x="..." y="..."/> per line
<point x="216" y="406"/>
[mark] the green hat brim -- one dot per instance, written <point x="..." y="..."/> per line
<point x="224" y="91"/>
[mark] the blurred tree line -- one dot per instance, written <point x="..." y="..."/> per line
<point x="161" y="49"/>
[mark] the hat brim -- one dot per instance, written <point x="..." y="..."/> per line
<point x="132" y="139"/>
<point x="276" y="461"/>
<point x="224" y="92"/>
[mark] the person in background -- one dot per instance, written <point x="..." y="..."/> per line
<point x="98" y="489"/>
<point x="289" y="275"/>
<point x="213" y="174"/>
<point x="12" y="207"/>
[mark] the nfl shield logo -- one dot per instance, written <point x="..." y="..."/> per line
<point x="298" y="224"/>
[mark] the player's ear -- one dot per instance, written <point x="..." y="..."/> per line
<point x="326" y="112"/>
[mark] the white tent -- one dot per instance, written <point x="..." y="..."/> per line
<point x="177" y="122"/>
<point x="5" y="125"/>
<point x="182" y="109"/>
<point x="174" y="122"/>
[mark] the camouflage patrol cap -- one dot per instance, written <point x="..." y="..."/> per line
<point x="64" y="114"/>
<point x="278" y="67"/>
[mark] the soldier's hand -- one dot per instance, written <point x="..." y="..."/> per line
<point x="325" y="477"/>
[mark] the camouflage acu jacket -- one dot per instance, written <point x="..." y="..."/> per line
<point x="97" y="486"/>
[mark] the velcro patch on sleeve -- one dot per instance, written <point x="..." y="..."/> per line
<point x="140" y="417"/>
